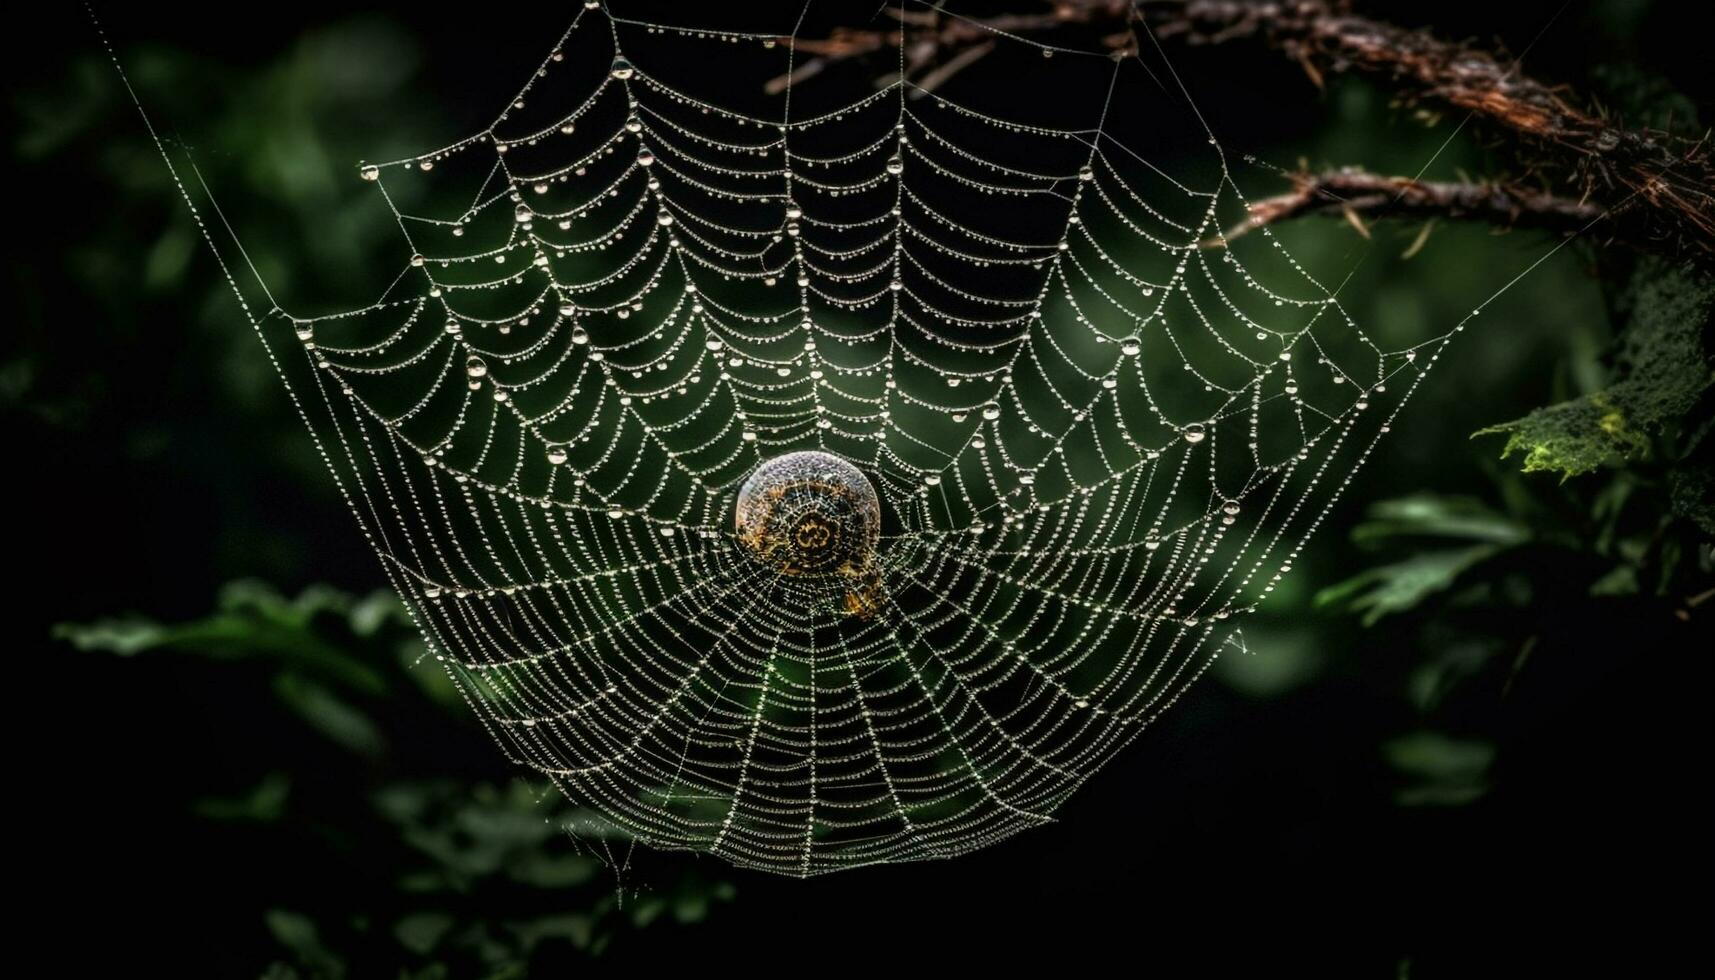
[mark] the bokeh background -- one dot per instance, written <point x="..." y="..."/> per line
<point x="1496" y="732"/>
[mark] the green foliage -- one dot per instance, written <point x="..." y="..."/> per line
<point x="1481" y="586"/>
<point x="1402" y="585"/>
<point x="1663" y="365"/>
<point x="1443" y="771"/>
<point x="1692" y="495"/>
<point x="476" y="879"/>
<point x="1477" y="588"/>
<point x="1644" y="98"/>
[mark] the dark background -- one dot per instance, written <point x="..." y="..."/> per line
<point x="189" y="807"/>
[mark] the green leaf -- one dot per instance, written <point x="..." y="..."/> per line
<point x="422" y="931"/>
<point x="330" y="715"/>
<point x="254" y="622"/>
<point x="1443" y="771"/>
<point x="125" y="637"/>
<point x="298" y="933"/>
<point x="170" y="255"/>
<point x="574" y="929"/>
<point x="1400" y="586"/>
<point x="1431" y="515"/>
<point x="1455" y="660"/>
<point x="554" y="870"/>
<point x="505" y="826"/>
<point x="1621" y="580"/>
<point x="690" y="906"/>
<point x="647" y="909"/>
<point x="266" y="803"/>
<point x="1660" y="370"/>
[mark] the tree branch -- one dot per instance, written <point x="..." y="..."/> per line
<point x="1668" y="181"/>
<point x="1359" y="196"/>
<point x="1671" y="180"/>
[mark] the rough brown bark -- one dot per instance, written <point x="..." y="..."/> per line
<point x="1360" y="196"/>
<point x="1670" y="182"/>
<point x="1658" y="189"/>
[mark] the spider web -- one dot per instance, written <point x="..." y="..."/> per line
<point x="1100" y="430"/>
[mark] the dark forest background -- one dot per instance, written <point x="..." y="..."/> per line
<point x="1472" y="737"/>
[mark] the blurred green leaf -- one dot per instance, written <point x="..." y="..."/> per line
<point x="298" y="933"/>
<point x="1431" y="515"/>
<point x="1623" y="580"/>
<point x="554" y="870"/>
<point x="328" y="714"/>
<point x="254" y="622"/>
<point x="1402" y="585"/>
<point x="690" y="907"/>
<point x="1443" y="771"/>
<point x="170" y="256"/>
<point x="574" y="929"/>
<point x="265" y="803"/>
<point x="1455" y="659"/>
<point x="647" y="909"/>
<point x="420" y="933"/>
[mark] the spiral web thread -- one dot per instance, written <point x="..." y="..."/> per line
<point x="1101" y="432"/>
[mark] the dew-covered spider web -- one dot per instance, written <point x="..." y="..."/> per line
<point x="1020" y="435"/>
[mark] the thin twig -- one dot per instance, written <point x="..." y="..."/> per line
<point x="1359" y="196"/>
